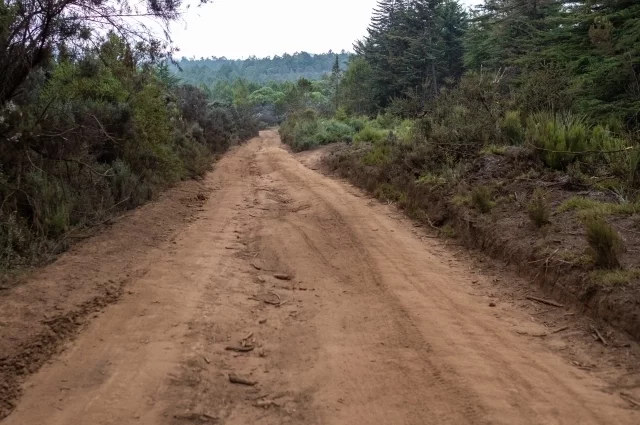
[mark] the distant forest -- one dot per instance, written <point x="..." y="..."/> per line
<point x="288" y="67"/>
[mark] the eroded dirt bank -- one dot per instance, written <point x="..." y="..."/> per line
<point x="349" y="314"/>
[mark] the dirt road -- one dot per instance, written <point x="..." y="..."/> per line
<point x="353" y="318"/>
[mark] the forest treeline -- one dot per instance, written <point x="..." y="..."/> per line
<point x="209" y="71"/>
<point x="92" y="121"/>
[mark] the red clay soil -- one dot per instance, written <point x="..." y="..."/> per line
<point x="552" y="257"/>
<point x="375" y="322"/>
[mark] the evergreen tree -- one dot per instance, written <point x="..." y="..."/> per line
<point x="383" y="48"/>
<point x="595" y="46"/>
<point x="412" y="47"/>
<point x="453" y="26"/>
<point x="357" y="87"/>
<point x="335" y="82"/>
<point x="422" y="36"/>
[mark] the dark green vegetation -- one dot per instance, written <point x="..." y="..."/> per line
<point x="271" y="102"/>
<point x="270" y="88"/>
<point x="92" y="122"/>
<point x="515" y="126"/>
<point x="287" y="67"/>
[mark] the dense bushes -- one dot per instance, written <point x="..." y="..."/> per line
<point x="306" y="131"/>
<point x="96" y="133"/>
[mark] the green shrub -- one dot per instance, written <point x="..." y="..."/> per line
<point x="460" y="200"/>
<point x="604" y="242"/>
<point x="448" y="231"/>
<point x="538" y="209"/>
<point x="341" y="115"/>
<point x="387" y="120"/>
<point x="17" y="242"/>
<point x="337" y="131"/>
<point x="558" y="137"/>
<point x="512" y="127"/>
<point x="388" y="192"/>
<point x="547" y="87"/>
<point x="127" y="187"/>
<point x="51" y="204"/>
<point x="371" y="134"/>
<point x="407" y="131"/>
<point x="482" y="199"/>
<point x="358" y="123"/>
<point x="306" y="131"/>
<point x="300" y="131"/>
<point x="378" y="155"/>
<point x="620" y="155"/>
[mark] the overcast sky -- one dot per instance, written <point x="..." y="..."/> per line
<point x="241" y="28"/>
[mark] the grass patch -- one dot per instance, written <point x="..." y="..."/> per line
<point x="493" y="150"/>
<point x="605" y="243"/>
<point x="448" y="231"/>
<point x="482" y="199"/>
<point x="611" y="278"/>
<point x="538" y="209"/>
<point x="461" y="200"/>
<point x="431" y="180"/>
<point x="591" y="208"/>
<point x="578" y="259"/>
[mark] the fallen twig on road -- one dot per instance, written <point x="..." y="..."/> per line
<point x="547" y="302"/>
<point x="235" y="379"/>
<point x="599" y="335"/>
<point x="627" y="397"/>
<point x="279" y="302"/>
<point x="260" y="397"/>
<point x="201" y="417"/>
<point x="541" y="335"/>
<point x="564" y="328"/>
<point x="246" y="349"/>
<point x="266" y="404"/>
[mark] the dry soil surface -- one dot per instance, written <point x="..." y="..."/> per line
<point x="344" y="313"/>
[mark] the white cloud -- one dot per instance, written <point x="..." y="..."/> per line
<point x="241" y="28"/>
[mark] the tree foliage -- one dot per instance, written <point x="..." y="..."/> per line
<point x="210" y="71"/>
<point x="92" y="121"/>
<point x="413" y="47"/>
<point x="592" y="46"/>
<point x="581" y="56"/>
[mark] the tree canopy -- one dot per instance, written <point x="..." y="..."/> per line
<point x="208" y="71"/>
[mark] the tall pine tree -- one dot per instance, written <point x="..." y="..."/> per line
<point x="383" y="48"/>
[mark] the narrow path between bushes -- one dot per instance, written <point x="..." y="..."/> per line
<point x="321" y="307"/>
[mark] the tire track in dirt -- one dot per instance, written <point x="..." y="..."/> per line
<point x="375" y="325"/>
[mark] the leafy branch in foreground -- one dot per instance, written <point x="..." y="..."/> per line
<point x="32" y="32"/>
